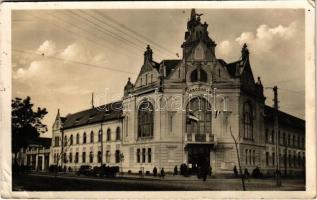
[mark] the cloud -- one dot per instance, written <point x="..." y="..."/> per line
<point x="48" y="48"/>
<point x="224" y="49"/>
<point x="267" y="38"/>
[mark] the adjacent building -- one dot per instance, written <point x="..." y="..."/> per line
<point x="184" y="111"/>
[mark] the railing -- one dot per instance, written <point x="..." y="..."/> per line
<point x="192" y="137"/>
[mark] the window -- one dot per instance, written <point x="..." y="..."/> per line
<point x="170" y="121"/>
<point x="149" y="155"/>
<point x="77" y="138"/>
<point x="145" y="120"/>
<point x="56" y="141"/>
<point x="108" y="156"/>
<point x="91" y="137"/>
<point x="55" y="158"/>
<point x="84" y="157"/>
<point x="294" y="143"/>
<point x="91" y="157"/>
<point x="273" y="159"/>
<point x="145" y="79"/>
<point x="248" y="121"/>
<point x="138" y="155"/>
<point x="118" y="133"/>
<point x="117" y="156"/>
<point x="273" y="137"/>
<point x="84" y="138"/>
<point x="108" y="134"/>
<point x="71" y="140"/>
<point x="246" y="156"/>
<point x="199" y="75"/>
<point x="76" y="157"/>
<point x="253" y="157"/>
<point x="100" y="136"/>
<point x="266" y="135"/>
<point x="250" y="157"/>
<point x="143" y="155"/>
<point x="267" y="158"/>
<point x="64" y="158"/>
<point x="298" y="142"/>
<point x="198" y="116"/>
<point x="288" y="139"/>
<point x="284" y="139"/>
<point x="99" y="157"/>
<point x="70" y="157"/>
<point x="65" y="140"/>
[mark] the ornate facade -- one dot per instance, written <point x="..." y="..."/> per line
<point x="183" y="111"/>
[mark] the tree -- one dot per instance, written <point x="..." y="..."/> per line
<point x="26" y="124"/>
<point x="237" y="150"/>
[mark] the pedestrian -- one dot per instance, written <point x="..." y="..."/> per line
<point x="154" y="171"/>
<point x="175" y="171"/>
<point x="246" y="174"/>
<point x="235" y="171"/>
<point x="162" y="173"/>
<point x="204" y="171"/>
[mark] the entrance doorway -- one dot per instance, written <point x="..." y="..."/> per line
<point x="198" y="156"/>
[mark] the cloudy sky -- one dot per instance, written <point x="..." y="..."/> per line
<point x="60" y="57"/>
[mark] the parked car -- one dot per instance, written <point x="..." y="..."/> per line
<point x="84" y="170"/>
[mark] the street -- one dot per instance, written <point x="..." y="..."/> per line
<point x="47" y="182"/>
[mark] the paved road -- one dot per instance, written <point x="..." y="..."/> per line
<point x="37" y="182"/>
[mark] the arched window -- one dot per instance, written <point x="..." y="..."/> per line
<point x="145" y="120"/>
<point x="198" y="118"/>
<point x="84" y="138"/>
<point x="198" y="75"/>
<point x="118" y="133"/>
<point x="77" y="138"/>
<point x="108" y="134"/>
<point x="91" y="137"/>
<point x="71" y="140"/>
<point x="100" y="136"/>
<point x="248" y="121"/>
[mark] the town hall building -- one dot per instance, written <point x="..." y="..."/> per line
<point x="184" y="111"/>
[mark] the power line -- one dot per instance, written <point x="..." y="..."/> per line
<point x="134" y="32"/>
<point x="74" y="33"/>
<point x="72" y="61"/>
<point x="125" y="33"/>
<point x="113" y="35"/>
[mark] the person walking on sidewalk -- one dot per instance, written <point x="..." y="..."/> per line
<point x="162" y="173"/>
<point x="235" y="171"/>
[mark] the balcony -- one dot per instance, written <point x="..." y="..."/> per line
<point x="192" y="137"/>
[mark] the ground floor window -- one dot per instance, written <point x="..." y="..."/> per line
<point x="138" y="152"/>
<point x="149" y="153"/>
<point x="91" y="157"/>
<point x="84" y="157"/>
<point x="107" y="156"/>
<point x="76" y="157"/>
<point x="117" y="156"/>
<point x="99" y="156"/>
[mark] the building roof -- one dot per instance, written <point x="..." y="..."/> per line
<point x="170" y="65"/>
<point x="284" y="118"/>
<point x="111" y="111"/>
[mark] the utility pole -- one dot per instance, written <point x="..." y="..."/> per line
<point x="276" y="132"/>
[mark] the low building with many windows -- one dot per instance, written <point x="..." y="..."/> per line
<point x="184" y="111"/>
